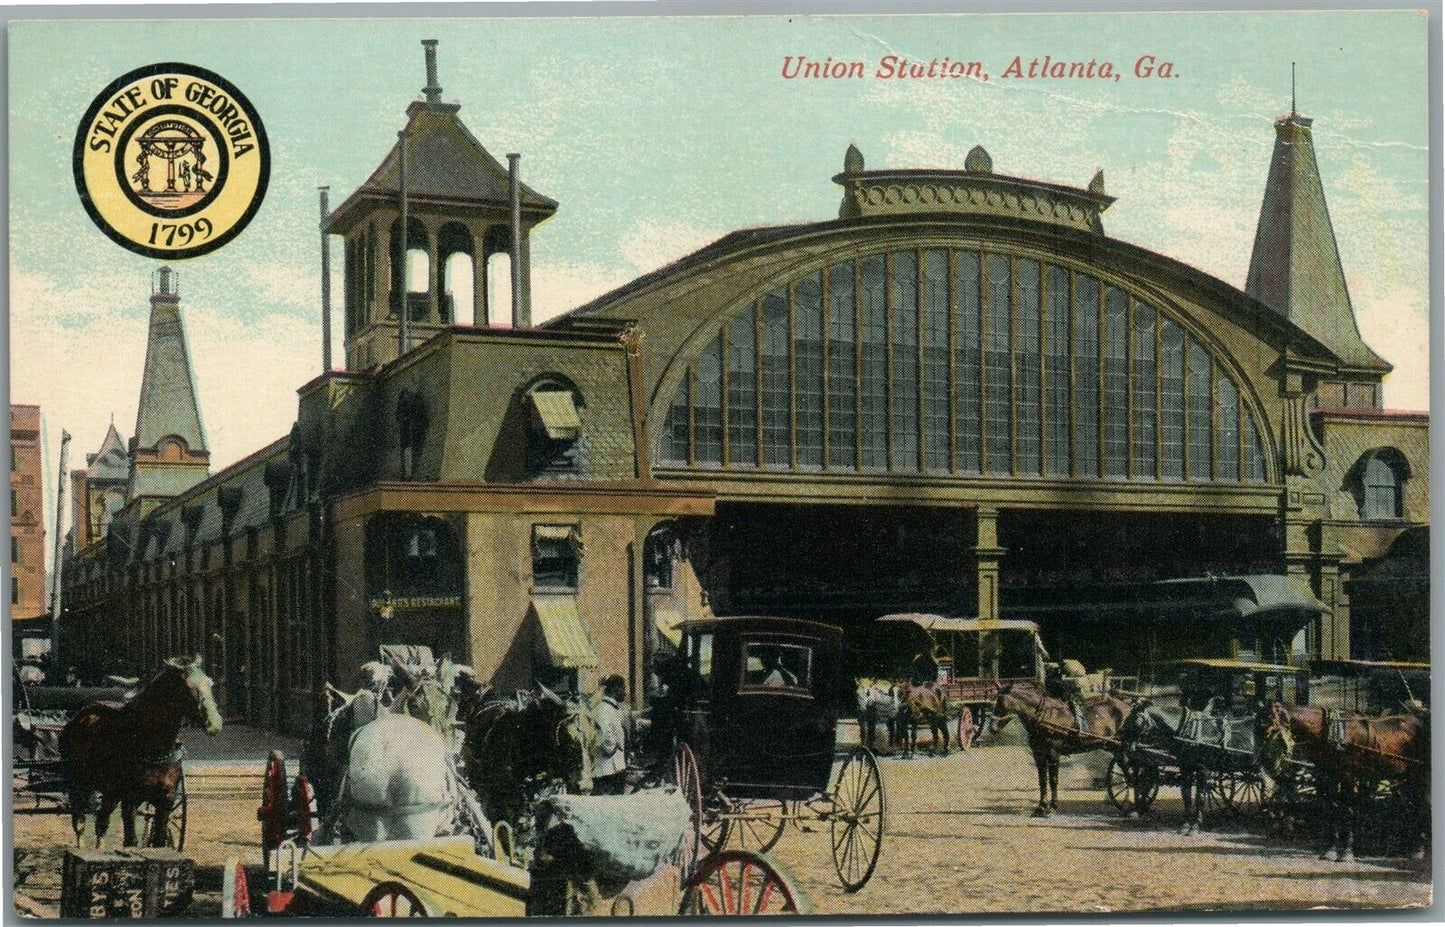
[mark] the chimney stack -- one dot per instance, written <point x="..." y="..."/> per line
<point x="432" y="90"/>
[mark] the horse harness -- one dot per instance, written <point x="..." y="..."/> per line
<point x="1079" y="732"/>
<point x="1337" y="736"/>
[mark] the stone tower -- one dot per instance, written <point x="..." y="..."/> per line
<point x="460" y="201"/>
<point x="168" y="454"/>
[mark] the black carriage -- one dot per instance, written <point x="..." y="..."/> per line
<point x="39" y="781"/>
<point x="1217" y="730"/>
<point x="751" y="705"/>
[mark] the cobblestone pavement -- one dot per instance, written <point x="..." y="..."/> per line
<point x="960" y="839"/>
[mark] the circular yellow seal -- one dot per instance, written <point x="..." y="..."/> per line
<point x="171" y="161"/>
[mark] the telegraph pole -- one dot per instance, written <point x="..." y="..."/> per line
<point x="59" y="564"/>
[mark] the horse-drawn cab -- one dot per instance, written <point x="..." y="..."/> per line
<point x="751" y="709"/>
<point x="1210" y="741"/>
<point x="1372" y="687"/>
<point x="759" y="705"/>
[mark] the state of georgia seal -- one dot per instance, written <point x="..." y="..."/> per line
<point x="171" y="161"/>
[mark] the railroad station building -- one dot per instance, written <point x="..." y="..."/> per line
<point x="957" y="395"/>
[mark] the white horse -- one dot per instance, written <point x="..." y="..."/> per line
<point x="398" y="781"/>
<point x="878" y="701"/>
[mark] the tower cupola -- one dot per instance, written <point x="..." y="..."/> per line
<point x="463" y="209"/>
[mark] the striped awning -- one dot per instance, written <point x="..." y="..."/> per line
<point x="565" y="640"/>
<point x="557" y="412"/>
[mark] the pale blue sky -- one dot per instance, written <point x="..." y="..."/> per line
<point x="659" y="135"/>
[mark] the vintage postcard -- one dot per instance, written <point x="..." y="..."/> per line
<point x="834" y="464"/>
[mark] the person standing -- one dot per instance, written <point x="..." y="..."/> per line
<point x="609" y="754"/>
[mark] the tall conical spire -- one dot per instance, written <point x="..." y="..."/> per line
<point x="1295" y="268"/>
<point x="168" y="452"/>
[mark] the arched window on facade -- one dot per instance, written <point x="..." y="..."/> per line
<point x="411" y="423"/>
<point x="1377" y="482"/>
<point x="659" y="557"/>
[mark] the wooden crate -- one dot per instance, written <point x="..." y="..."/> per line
<point x="126" y="883"/>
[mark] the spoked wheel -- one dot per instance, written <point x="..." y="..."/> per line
<point x="688" y="778"/>
<point x="175" y="837"/>
<point x="738" y="883"/>
<point x="1130" y="784"/>
<point x="715" y="826"/>
<point x="856" y="820"/>
<point x="235" y="891"/>
<point x="1244" y="793"/>
<point x="759" y="824"/>
<point x="393" y="899"/>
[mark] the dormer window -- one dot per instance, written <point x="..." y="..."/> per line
<point x="554" y="428"/>
<point x="1377" y="482"/>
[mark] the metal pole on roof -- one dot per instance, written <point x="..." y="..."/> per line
<point x="325" y="287"/>
<point x="521" y="313"/>
<point x="403" y="333"/>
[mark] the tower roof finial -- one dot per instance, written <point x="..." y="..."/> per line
<point x="1292" y="110"/>
<point x="432" y="89"/>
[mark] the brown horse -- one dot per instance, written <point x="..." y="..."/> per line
<point x="923" y="705"/>
<point x="1351" y="753"/>
<point x="129" y="752"/>
<point x="1054" y="731"/>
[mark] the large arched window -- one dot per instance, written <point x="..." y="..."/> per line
<point x="966" y="362"/>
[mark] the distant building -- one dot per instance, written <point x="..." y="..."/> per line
<point x="27" y="516"/>
<point x="959" y="395"/>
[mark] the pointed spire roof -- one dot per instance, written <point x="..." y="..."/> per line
<point x="168" y="390"/>
<point x="1295" y="268"/>
<point x="110" y="462"/>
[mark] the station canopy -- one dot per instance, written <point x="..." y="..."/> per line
<point x="974" y="625"/>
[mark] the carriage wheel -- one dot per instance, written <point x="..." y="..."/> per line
<point x="1130" y="784"/>
<point x="737" y="883"/>
<point x="303" y="798"/>
<point x="1116" y="783"/>
<point x="966" y="729"/>
<point x="175" y="824"/>
<point x="760" y="825"/>
<point x="689" y="782"/>
<point x="235" y="891"/>
<point x="393" y="899"/>
<point x="715" y="826"/>
<point x="1243" y="793"/>
<point x="856" y="820"/>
